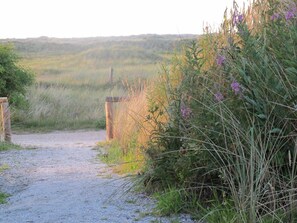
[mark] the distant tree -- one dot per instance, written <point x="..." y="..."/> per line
<point x="13" y="78"/>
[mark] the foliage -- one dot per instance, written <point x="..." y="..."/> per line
<point x="3" y="197"/>
<point x="230" y="134"/>
<point x="14" y="78"/>
<point x="169" y="202"/>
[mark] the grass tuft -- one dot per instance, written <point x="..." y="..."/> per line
<point x="3" y="197"/>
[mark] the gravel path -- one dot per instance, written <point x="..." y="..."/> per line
<point x="61" y="181"/>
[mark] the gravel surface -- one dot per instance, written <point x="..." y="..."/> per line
<point x="59" y="180"/>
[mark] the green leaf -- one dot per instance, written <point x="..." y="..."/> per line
<point x="262" y="116"/>
<point x="275" y="130"/>
<point x="291" y="70"/>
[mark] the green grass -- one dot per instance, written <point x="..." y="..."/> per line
<point x="169" y="202"/>
<point x="4" y="167"/>
<point x="4" y="146"/>
<point x="72" y="76"/>
<point x="3" y="197"/>
<point x="122" y="163"/>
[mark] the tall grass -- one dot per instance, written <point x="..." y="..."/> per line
<point x="130" y="129"/>
<point x="74" y="99"/>
<point x="60" y="107"/>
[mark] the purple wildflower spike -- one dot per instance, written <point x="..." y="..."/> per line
<point x="219" y="96"/>
<point x="237" y="18"/>
<point x="220" y="60"/>
<point x="275" y="16"/>
<point x="185" y="112"/>
<point x="236" y="87"/>
<point x="289" y="15"/>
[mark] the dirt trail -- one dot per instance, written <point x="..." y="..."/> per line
<point x="61" y="181"/>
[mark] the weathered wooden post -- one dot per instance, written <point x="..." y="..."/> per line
<point x="109" y="114"/>
<point x="111" y="76"/>
<point x="2" y="130"/>
<point x="5" y="120"/>
<point x="109" y="118"/>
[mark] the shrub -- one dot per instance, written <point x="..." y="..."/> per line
<point x="14" y="79"/>
<point x="231" y="126"/>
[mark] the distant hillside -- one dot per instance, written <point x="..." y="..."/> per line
<point x="56" y="46"/>
<point x="83" y="58"/>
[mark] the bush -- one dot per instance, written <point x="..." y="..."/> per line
<point x="14" y="78"/>
<point x="231" y="127"/>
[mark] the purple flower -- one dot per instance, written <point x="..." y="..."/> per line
<point x="275" y="16"/>
<point x="240" y="18"/>
<point x="236" y="87"/>
<point x="289" y="14"/>
<point x="220" y="60"/>
<point x="185" y="112"/>
<point x="237" y="19"/>
<point x="219" y="96"/>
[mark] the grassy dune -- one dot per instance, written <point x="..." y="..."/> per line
<point x="72" y="75"/>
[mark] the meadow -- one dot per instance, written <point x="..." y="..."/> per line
<point x="73" y="76"/>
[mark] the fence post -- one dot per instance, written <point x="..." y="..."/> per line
<point x="109" y="118"/>
<point x="2" y="130"/>
<point x="109" y="114"/>
<point x="5" y="119"/>
<point x="7" y="124"/>
<point x="111" y="76"/>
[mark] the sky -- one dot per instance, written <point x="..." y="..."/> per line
<point x="92" y="18"/>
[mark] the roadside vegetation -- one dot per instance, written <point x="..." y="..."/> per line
<point x="217" y="129"/>
<point x="7" y="146"/>
<point x="14" y="80"/>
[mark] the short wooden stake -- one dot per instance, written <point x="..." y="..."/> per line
<point x="109" y="120"/>
<point x="5" y="117"/>
<point x="7" y="123"/>
<point x="109" y="114"/>
<point x="2" y="130"/>
<point x="111" y="76"/>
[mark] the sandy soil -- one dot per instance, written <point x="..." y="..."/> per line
<point x="61" y="181"/>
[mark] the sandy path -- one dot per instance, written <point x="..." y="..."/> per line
<point x="61" y="181"/>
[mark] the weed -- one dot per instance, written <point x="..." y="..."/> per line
<point x="7" y="146"/>
<point x="122" y="163"/>
<point x="3" y="197"/>
<point x="4" y="167"/>
<point x="170" y="201"/>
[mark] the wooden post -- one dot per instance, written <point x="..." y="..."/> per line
<point x="5" y="116"/>
<point x="7" y="124"/>
<point x="109" y="119"/>
<point x="109" y="114"/>
<point x="111" y="76"/>
<point x="2" y="129"/>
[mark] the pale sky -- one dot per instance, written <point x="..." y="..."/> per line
<point x="91" y="18"/>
